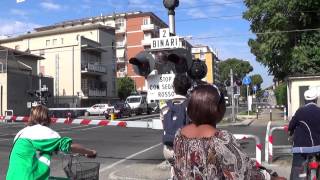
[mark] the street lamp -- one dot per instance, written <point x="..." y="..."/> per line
<point x="171" y="5"/>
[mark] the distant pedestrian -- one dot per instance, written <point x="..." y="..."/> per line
<point x="173" y="114"/>
<point x="305" y="128"/>
<point x="204" y="152"/>
<point x="33" y="147"/>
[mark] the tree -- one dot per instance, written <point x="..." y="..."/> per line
<point x="287" y="35"/>
<point x="125" y="86"/>
<point x="240" y="68"/>
<point x="256" y="79"/>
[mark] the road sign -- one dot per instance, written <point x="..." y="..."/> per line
<point x="168" y="42"/>
<point x="246" y="80"/>
<point x="160" y="86"/>
<point x="255" y="88"/>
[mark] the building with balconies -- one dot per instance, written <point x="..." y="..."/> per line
<point x="81" y="59"/>
<point x="206" y="54"/>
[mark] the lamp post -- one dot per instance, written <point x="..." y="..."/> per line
<point x="171" y="5"/>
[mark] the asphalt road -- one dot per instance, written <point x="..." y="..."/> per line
<point x="118" y="148"/>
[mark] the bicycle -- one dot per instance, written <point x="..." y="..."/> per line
<point x="78" y="170"/>
<point x="311" y="170"/>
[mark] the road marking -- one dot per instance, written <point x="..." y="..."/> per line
<point x="127" y="158"/>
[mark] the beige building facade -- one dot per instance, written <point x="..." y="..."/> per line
<point x="81" y="59"/>
<point x="133" y="33"/>
<point x="296" y="86"/>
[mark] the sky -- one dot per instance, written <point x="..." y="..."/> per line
<point x="216" y="23"/>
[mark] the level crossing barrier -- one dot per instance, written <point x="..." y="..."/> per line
<point x="258" y="145"/>
<point x="68" y="121"/>
<point x="285" y="118"/>
<point x="270" y="148"/>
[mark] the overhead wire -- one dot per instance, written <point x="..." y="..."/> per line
<point x="197" y="38"/>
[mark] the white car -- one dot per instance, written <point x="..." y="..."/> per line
<point x="97" y="109"/>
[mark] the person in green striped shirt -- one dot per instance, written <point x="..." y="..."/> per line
<point x="33" y="147"/>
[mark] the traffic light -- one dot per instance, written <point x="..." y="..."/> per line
<point x="143" y="63"/>
<point x="238" y="82"/>
<point x="198" y="69"/>
<point x="176" y="60"/>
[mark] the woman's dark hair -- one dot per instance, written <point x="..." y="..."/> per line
<point x="181" y="84"/>
<point x="39" y="115"/>
<point x="206" y="105"/>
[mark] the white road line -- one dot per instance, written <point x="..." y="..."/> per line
<point x="127" y="158"/>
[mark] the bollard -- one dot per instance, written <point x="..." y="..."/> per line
<point x="270" y="114"/>
<point x="112" y="116"/>
<point x="257" y="112"/>
<point x="285" y="114"/>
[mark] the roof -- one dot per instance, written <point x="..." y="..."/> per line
<point x="304" y="76"/>
<point x="100" y="18"/>
<point x="57" y="31"/>
<point x="21" y="53"/>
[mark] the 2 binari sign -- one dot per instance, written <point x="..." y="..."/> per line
<point x="160" y="86"/>
<point x="169" y="42"/>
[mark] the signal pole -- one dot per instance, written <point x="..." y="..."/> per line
<point x="171" y="5"/>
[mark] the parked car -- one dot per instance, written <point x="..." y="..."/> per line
<point x="97" y="109"/>
<point x="119" y="109"/>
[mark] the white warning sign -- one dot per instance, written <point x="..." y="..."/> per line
<point x="160" y="86"/>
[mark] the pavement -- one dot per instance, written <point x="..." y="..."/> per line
<point x="144" y="171"/>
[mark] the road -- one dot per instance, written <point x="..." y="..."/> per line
<point x="119" y="148"/>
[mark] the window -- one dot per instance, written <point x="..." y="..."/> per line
<point x="146" y="21"/>
<point x="54" y="42"/>
<point x="47" y="42"/>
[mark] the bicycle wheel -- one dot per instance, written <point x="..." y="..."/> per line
<point x="83" y="171"/>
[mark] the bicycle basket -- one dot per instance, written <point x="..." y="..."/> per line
<point x="82" y="170"/>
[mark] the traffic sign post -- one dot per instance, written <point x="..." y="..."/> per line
<point x="246" y="81"/>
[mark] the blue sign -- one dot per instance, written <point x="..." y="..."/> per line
<point x="246" y="80"/>
<point x="255" y="88"/>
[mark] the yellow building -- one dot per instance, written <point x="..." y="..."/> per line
<point x="207" y="55"/>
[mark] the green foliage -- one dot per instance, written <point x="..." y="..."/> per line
<point x="281" y="94"/>
<point x="240" y="68"/>
<point x="256" y="79"/>
<point x="125" y="86"/>
<point x="278" y="45"/>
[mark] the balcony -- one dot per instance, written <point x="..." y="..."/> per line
<point x="120" y="30"/>
<point x="97" y="93"/>
<point x="148" y="27"/>
<point x="121" y="60"/>
<point x="121" y="74"/>
<point x="146" y="42"/>
<point x="121" y="44"/>
<point x="96" y="69"/>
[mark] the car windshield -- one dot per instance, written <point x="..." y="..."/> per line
<point x="133" y="100"/>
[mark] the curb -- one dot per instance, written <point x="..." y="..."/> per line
<point x="247" y="122"/>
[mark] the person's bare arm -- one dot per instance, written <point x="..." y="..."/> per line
<point x="77" y="148"/>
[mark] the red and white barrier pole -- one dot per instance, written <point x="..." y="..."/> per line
<point x="258" y="145"/>
<point x="270" y="141"/>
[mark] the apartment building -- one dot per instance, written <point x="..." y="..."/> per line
<point x="81" y="59"/>
<point x="133" y="33"/>
<point x="206" y="54"/>
<point x="18" y="79"/>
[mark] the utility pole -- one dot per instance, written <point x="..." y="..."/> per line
<point x="232" y="95"/>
